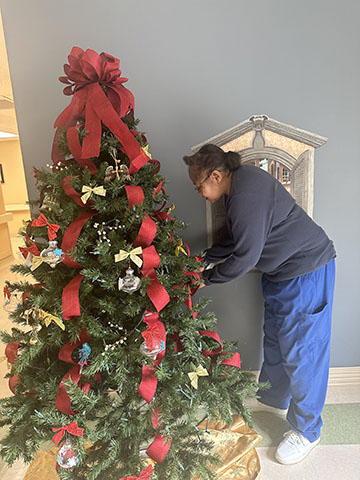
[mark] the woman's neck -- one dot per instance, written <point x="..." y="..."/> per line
<point x="227" y="185"/>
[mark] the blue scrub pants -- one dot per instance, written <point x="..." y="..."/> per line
<point x="297" y="327"/>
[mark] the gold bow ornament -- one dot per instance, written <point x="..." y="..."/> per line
<point x="194" y="376"/>
<point x="146" y="151"/>
<point x="170" y="209"/>
<point x="36" y="260"/>
<point x="133" y="254"/>
<point x="88" y="191"/>
<point x="179" y="248"/>
<point x="46" y="317"/>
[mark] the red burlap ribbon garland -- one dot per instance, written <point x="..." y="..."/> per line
<point x="71" y="236"/>
<point x="191" y="290"/>
<point x="233" y="361"/>
<point x="148" y="384"/>
<point x="147" y="388"/>
<point x="73" y="194"/>
<point x="63" y="402"/>
<point x="159" y="188"/>
<point x="159" y="448"/>
<point x="160" y="215"/>
<point x="73" y="141"/>
<point x="70" y="296"/>
<point x="146" y="233"/>
<point x="135" y="195"/>
<point x="156" y="292"/>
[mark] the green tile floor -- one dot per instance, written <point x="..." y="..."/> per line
<point x="341" y="425"/>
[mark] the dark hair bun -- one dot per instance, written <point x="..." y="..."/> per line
<point x="211" y="157"/>
<point x="232" y="160"/>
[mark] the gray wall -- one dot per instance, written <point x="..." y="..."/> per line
<point x="197" y="68"/>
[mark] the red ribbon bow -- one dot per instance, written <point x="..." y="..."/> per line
<point x="42" y="221"/>
<point x="72" y="428"/>
<point x="87" y="74"/>
<point x="7" y="292"/>
<point x="155" y="332"/>
<point x="26" y="250"/>
<point x="89" y="67"/>
<point x="144" y="475"/>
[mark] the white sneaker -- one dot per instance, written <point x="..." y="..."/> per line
<point x="294" y="448"/>
<point x="262" y="407"/>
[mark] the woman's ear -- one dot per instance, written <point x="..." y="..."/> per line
<point x="217" y="176"/>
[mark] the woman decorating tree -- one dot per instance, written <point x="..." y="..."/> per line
<point x="269" y="231"/>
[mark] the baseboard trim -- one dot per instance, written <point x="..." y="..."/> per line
<point x="344" y="376"/>
<point x="339" y="376"/>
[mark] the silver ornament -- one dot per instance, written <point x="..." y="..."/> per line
<point x="14" y="302"/>
<point x="67" y="457"/>
<point x="34" y="338"/>
<point x="151" y="352"/>
<point x="52" y="255"/>
<point x="130" y="283"/>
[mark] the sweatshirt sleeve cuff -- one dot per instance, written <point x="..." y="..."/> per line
<point x="205" y="276"/>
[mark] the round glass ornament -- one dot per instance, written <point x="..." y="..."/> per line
<point x="130" y="283"/>
<point x="52" y="255"/>
<point x="14" y="302"/>
<point x="67" y="457"/>
<point x="152" y="352"/>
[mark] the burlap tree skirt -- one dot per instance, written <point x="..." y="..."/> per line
<point x="235" y="445"/>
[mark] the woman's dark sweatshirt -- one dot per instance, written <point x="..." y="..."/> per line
<point x="266" y="230"/>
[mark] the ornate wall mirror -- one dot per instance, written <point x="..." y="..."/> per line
<point x="284" y="151"/>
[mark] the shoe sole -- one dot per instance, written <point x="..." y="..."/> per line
<point x="286" y="462"/>
<point x="262" y="407"/>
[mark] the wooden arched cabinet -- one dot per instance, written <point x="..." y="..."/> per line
<point x="284" y="151"/>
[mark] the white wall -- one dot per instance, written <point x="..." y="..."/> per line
<point x="197" y="68"/>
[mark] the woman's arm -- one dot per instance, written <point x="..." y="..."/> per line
<point x="221" y="250"/>
<point x="250" y="218"/>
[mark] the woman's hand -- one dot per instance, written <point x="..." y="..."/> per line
<point x="195" y="282"/>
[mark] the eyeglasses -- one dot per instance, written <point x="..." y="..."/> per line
<point x="199" y="187"/>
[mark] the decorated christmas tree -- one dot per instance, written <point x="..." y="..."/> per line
<point x="110" y="358"/>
